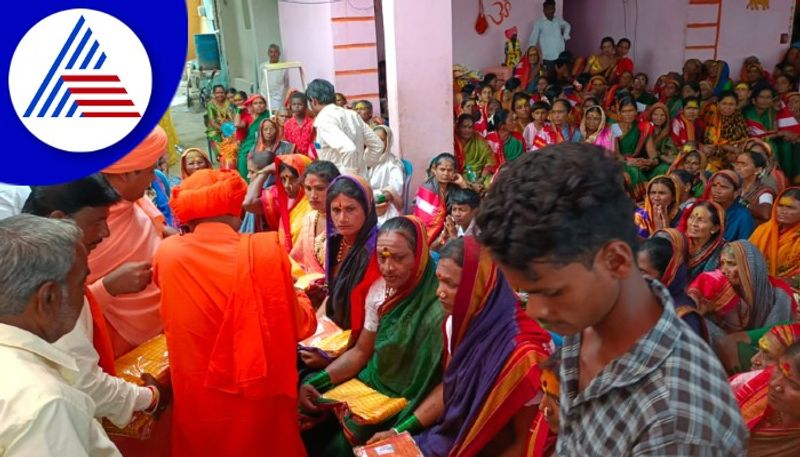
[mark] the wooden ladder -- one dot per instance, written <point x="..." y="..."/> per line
<point x="702" y="29"/>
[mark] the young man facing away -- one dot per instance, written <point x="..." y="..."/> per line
<point x="635" y="380"/>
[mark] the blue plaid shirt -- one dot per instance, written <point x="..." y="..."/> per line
<point x="667" y="396"/>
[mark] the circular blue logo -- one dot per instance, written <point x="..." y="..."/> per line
<point x="87" y="81"/>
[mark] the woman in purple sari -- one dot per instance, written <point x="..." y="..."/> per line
<point x="492" y="349"/>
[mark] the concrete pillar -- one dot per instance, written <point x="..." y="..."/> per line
<point x="419" y="60"/>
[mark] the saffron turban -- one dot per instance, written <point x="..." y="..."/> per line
<point x="208" y="193"/>
<point x="145" y="155"/>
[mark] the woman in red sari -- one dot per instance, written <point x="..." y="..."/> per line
<point x="770" y="405"/>
<point x="432" y="196"/>
<point x="492" y="352"/>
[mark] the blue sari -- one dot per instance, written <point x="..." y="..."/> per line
<point x="739" y="224"/>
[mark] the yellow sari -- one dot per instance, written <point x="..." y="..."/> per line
<point x="781" y="249"/>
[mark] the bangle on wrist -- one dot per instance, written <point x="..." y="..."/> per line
<point x="154" y="401"/>
<point x="411" y="425"/>
<point x="320" y="381"/>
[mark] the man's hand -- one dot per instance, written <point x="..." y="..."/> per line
<point x="129" y="278"/>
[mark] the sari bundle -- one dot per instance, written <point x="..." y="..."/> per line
<point x="494" y="369"/>
<point x="406" y="363"/>
<point x="781" y="248"/>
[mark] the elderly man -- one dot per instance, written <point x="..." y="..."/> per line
<point x="342" y="136"/>
<point x="120" y="265"/>
<point x="232" y="321"/>
<point x="42" y="274"/>
<point x="86" y="202"/>
<point x="278" y="80"/>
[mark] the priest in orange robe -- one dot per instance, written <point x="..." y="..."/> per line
<point x="120" y="266"/>
<point x="232" y="320"/>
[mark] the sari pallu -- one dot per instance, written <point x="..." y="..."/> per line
<point x="407" y="361"/>
<point x="739" y="222"/>
<point x="707" y="257"/>
<point x="551" y="135"/>
<point x="644" y="216"/>
<point x="281" y="215"/>
<point x="766" y="439"/>
<point x="475" y="153"/>
<point x="781" y="248"/>
<point x="252" y="135"/>
<point x="508" y="150"/>
<point x="357" y="271"/>
<point x="431" y="207"/>
<point x="764" y="126"/>
<point x="494" y="369"/>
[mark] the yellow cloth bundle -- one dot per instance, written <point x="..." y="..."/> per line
<point x="368" y="404"/>
<point x="329" y="338"/>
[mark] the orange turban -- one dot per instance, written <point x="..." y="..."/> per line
<point x="208" y="193"/>
<point x="145" y="155"/>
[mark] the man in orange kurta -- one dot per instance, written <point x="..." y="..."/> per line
<point x="232" y="320"/>
<point x="120" y="266"/>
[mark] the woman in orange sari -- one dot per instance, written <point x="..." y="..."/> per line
<point x="492" y="355"/>
<point x="309" y="250"/>
<point x="770" y="405"/>
<point x="779" y="238"/>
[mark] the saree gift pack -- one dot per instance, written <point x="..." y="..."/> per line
<point x="329" y="340"/>
<point x="151" y="357"/>
<point x="401" y="445"/>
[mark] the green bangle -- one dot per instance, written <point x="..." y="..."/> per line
<point x="410" y="425"/>
<point x="320" y="381"/>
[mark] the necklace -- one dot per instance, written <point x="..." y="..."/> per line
<point x="344" y="247"/>
<point x="389" y="292"/>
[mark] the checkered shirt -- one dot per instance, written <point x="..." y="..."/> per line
<point x="667" y="396"/>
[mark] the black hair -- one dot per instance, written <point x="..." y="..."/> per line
<point x="520" y="96"/>
<point x="440" y="158"/>
<point x="592" y="108"/>
<point x="593" y="99"/>
<point x="484" y="85"/>
<point x="512" y="84"/>
<point x="625" y="101"/>
<point x="583" y="78"/>
<point x="499" y="118"/>
<point x="683" y="175"/>
<point x="468" y="88"/>
<point x="624" y="40"/>
<point x="465" y="197"/>
<point x="792" y="81"/>
<point x="691" y="99"/>
<point x="366" y="103"/>
<point x="695" y="86"/>
<point x="694" y="153"/>
<point x="348" y="188"/>
<point x="242" y="94"/>
<point x="549" y="3"/>
<point x="321" y="90"/>
<point x="464" y="117"/>
<point x="488" y="78"/>
<point x="292" y="169"/>
<point x="566" y="104"/>
<point x="646" y="78"/>
<point x="794" y="193"/>
<point x="607" y="39"/>
<point x="759" y="87"/>
<point x="324" y="169"/>
<point x="404" y="227"/>
<point x="670" y="184"/>
<point x="759" y="160"/>
<point x="728" y="93"/>
<point x="712" y="208"/>
<point x="659" y="250"/>
<point x="559" y="205"/>
<point x="218" y="86"/>
<point x="453" y="250"/>
<point x="232" y="91"/>
<point x="299" y="96"/>
<point x="465" y="101"/>
<point x="540" y="105"/>
<point x="71" y="197"/>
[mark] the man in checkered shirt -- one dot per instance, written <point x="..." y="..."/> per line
<point x="635" y="379"/>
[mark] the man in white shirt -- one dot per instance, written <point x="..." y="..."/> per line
<point x="43" y="270"/>
<point x="278" y="80"/>
<point x="342" y="136"/>
<point x="550" y="33"/>
<point x="12" y="198"/>
<point x="86" y="202"/>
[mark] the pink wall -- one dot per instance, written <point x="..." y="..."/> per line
<point x="419" y="79"/>
<point x="658" y="30"/>
<point x="481" y="51"/>
<point x="307" y="36"/>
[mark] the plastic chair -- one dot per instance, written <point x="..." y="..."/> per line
<point x="408" y="170"/>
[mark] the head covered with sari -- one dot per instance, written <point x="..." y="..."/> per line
<point x="592" y="137"/>
<point x="676" y="275"/>
<point x="676" y="187"/>
<point x="730" y="176"/>
<point x="261" y="143"/>
<point x="776" y="341"/>
<point x="707" y="257"/>
<point x="188" y="154"/>
<point x="762" y="302"/>
<point x="279" y="211"/>
<point x="780" y="246"/>
<point x="354" y="267"/>
<point x="493" y="371"/>
<point x="666" y="129"/>
<point x="772" y="175"/>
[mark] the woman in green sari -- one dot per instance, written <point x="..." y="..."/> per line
<point x="398" y="354"/>
<point x="631" y="148"/>
<point x="220" y="110"/>
<point x="472" y="152"/>
<point x="660" y="143"/>
<point x="762" y="122"/>
<point x="257" y="105"/>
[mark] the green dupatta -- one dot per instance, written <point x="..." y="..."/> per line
<point x="513" y="148"/>
<point x="247" y="144"/>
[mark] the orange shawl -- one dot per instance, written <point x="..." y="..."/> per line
<point x="780" y="248"/>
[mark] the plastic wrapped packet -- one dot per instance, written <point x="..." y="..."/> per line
<point x="367" y="405"/>
<point x="329" y="339"/>
<point x="151" y="357"/>
<point x="401" y="445"/>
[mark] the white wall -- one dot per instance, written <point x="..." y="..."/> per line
<point x="486" y="50"/>
<point x="658" y="31"/>
<point x="307" y="37"/>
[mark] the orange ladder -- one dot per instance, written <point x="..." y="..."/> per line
<point x="702" y="29"/>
